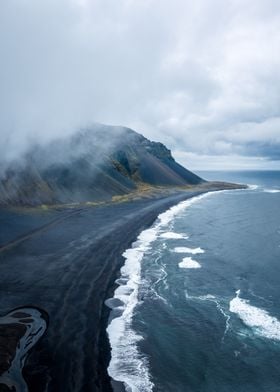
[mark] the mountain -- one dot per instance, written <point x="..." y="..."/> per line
<point x="92" y="165"/>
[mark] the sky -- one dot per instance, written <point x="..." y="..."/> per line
<point x="201" y="76"/>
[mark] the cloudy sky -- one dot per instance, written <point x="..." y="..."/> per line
<point x="201" y="76"/>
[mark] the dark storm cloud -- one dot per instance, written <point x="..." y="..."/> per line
<point x="201" y="76"/>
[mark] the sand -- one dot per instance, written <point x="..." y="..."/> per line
<point x="67" y="266"/>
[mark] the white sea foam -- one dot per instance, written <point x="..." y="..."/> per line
<point x="167" y="216"/>
<point x="188" y="262"/>
<point x="257" y="319"/>
<point x="171" y="235"/>
<point x="252" y="187"/>
<point x="127" y="364"/>
<point x="193" y="251"/>
<point x="271" y="190"/>
<point x="212" y="298"/>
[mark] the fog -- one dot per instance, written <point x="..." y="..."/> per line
<point x="202" y="77"/>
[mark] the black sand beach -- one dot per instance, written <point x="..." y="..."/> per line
<point x="67" y="265"/>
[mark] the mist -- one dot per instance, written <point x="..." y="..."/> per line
<point x="201" y="77"/>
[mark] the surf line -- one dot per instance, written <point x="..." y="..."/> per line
<point x="128" y="365"/>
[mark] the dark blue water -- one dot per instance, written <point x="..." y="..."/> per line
<point x="201" y="295"/>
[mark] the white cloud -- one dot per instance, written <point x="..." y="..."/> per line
<point x="201" y="76"/>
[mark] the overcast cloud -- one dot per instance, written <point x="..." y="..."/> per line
<point x="201" y="76"/>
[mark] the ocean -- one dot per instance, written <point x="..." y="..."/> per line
<point x="197" y="303"/>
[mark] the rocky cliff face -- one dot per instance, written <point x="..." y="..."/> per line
<point x="92" y="165"/>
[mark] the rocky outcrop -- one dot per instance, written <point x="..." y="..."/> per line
<point x="93" y="165"/>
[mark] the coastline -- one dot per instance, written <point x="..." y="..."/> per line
<point x="123" y="302"/>
<point x="75" y="352"/>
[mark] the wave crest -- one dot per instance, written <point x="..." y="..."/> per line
<point x="255" y="318"/>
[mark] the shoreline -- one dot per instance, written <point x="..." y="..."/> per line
<point x="113" y="301"/>
<point x="104" y="345"/>
<point x="75" y="353"/>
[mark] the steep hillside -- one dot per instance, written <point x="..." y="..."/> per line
<point x="92" y="165"/>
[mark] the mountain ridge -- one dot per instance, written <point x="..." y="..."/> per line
<point x="92" y="165"/>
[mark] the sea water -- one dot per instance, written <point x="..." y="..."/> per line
<point x="197" y="306"/>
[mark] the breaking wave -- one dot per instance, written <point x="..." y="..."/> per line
<point x="128" y="365"/>
<point x="257" y="319"/>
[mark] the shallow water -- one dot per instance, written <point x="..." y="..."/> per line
<point x="199" y="306"/>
